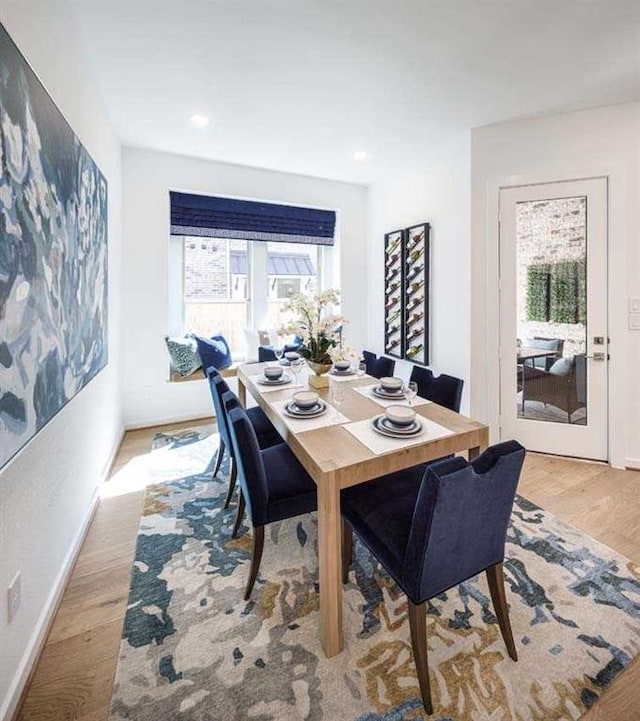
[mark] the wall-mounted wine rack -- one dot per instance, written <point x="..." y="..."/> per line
<point x="406" y="299"/>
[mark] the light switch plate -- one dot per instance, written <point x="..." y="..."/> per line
<point x="634" y="321"/>
<point x="634" y="305"/>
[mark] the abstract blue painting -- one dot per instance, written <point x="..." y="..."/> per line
<point x="53" y="257"/>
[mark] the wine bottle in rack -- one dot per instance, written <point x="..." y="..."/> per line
<point x="415" y="287"/>
<point x="393" y="329"/>
<point x="392" y="274"/>
<point x="415" y="255"/>
<point x="415" y="273"/>
<point x="414" y="318"/>
<point x="394" y="317"/>
<point x="391" y="250"/>
<point x="390" y="346"/>
<point x="415" y="334"/>
<point x="392" y="302"/>
<point x="413" y="351"/>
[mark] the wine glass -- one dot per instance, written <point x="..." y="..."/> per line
<point x="362" y="367"/>
<point x="278" y="348"/>
<point x="411" y="391"/>
<point x="296" y="367"/>
<point x="338" y="391"/>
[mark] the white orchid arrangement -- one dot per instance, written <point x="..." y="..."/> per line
<point x="319" y="328"/>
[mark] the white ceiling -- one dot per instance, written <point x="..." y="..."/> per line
<point x="299" y="85"/>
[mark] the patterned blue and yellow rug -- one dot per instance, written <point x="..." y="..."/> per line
<point x="193" y="650"/>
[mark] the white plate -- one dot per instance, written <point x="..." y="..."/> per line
<point x="291" y="410"/>
<point x="348" y="372"/>
<point x="393" y="396"/>
<point x="283" y="380"/>
<point x="378" y="426"/>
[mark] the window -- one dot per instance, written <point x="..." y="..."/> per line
<point x="215" y="288"/>
<point x="224" y="285"/>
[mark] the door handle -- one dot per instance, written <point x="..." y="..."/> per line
<point x="598" y="356"/>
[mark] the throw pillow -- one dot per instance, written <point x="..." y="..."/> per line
<point x="214" y="352"/>
<point x="562" y="367"/>
<point x="183" y="354"/>
<point x="256" y="338"/>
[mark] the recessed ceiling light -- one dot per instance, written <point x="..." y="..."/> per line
<point x="200" y="121"/>
<point x="360" y="156"/>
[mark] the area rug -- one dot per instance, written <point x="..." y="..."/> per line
<point x="193" y="650"/>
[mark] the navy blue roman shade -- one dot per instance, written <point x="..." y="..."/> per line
<point x="213" y="217"/>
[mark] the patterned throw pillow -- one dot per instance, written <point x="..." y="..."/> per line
<point x="214" y="352"/>
<point x="184" y="355"/>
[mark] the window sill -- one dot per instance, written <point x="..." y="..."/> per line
<point x="175" y="377"/>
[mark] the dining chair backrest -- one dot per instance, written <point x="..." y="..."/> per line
<point x="251" y="471"/>
<point x="460" y="521"/>
<point x="218" y="386"/>
<point x="443" y="389"/>
<point x="378" y="367"/>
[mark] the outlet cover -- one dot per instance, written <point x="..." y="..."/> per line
<point x="14" y="596"/>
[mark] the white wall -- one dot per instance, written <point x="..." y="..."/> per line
<point x="435" y="190"/>
<point x="602" y="141"/>
<point x="147" y="178"/>
<point x="48" y="489"/>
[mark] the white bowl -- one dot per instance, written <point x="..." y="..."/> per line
<point x="292" y="355"/>
<point x="342" y="365"/>
<point x="391" y="384"/>
<point x="273" y="372"/>
<point x="400" y="415"/>
<point x="305" y="399"/>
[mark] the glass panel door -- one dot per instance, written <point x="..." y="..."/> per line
<point x="553" y="317"/>
<point x="551" y="373"/>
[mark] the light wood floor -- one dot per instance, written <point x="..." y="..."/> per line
<point x="74" y="676"/>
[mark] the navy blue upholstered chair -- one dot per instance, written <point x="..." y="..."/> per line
<point x="266" y="433"/>
<point x="443" y="389"/>
<point x="378" y="367"/>
<point x="273" y="483"/>
<point x="266" y="353"/>
<point x="434" y="534"/>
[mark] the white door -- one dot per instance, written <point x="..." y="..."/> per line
<point x="553" y="317"/>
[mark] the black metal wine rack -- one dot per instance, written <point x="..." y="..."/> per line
<point x="406" y="297"/>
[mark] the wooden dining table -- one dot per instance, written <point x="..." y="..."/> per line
<point x="335" y="459"/>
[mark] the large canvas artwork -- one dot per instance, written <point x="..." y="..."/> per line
<point x="53" y="257"/>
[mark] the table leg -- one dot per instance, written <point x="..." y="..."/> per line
<point x="330" y="558"/>
<point x="473" y="452"/>
<point x="242" y="393"/>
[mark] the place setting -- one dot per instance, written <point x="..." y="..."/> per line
<point x="273" y="378"/>
<point x="391" y="390"/>
<point x="306" y="410"/>
<point x="345" y="370"/>
<point x="382" y="433"/>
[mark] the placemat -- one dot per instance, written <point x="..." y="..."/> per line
<point x="367" y="391"/>
<point x="377" y="443"/>
<point x="299" y="425"/>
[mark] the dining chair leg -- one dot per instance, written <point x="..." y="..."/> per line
<point x="418" y="627"/>
<point x="495" y="579"/>
<point x="239" y="516"/>
<point x="347" y="550"/>
<point x="258" y="545"/>
<point x="232" y="482"/>
<point x="221" y="449"/>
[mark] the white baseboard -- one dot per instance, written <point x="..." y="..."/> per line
<point x="9" y="706"/>
<point x="633" y="464"/>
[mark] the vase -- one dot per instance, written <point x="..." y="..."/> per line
<point x="320" y="379"/>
